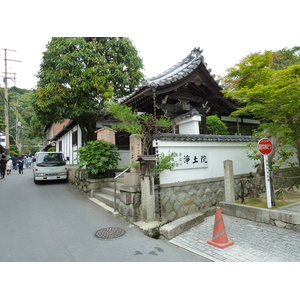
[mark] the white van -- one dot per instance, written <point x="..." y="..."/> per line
<point x="49" y="166"/>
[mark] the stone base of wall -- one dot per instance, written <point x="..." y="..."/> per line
<point x="189" y="197"/>
<point x="130" y="203"/>
<point x="79" y="178"/>
<point x="184" y="198"/>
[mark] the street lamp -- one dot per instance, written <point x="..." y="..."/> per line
<point x="147" y="164"/>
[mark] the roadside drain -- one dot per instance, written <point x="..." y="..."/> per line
<point x="109" y="233"/>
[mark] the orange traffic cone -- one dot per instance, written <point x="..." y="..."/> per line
<point x="220" y="238"/>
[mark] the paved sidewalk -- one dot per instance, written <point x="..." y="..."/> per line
<point x="253" y="242"/>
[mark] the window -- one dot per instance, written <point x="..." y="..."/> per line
<point x="60" y="146"/>
<point x="74" y="138"/>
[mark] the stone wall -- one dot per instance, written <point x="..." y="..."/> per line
<point x="130" y="203"/>
<point x="184" y="198"/>
<point x="79" y="178"/>
<point x="284" y="178"/>
<point x="130" y="196"/>
<point x="178" y="199"/>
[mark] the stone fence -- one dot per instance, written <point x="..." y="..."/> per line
<point x="183" y="198"/>
<point x="79" y="178"/>
<point x="179" y="199"/>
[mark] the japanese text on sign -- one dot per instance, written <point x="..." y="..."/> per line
<point x="187" y="159"/>
<point x="264" y="147"/>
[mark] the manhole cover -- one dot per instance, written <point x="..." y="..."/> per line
<point x="109" y="233"/>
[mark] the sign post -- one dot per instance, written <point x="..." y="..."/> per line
<point x="265" y="147"/>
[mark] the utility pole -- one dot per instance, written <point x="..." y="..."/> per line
<point x="17" y="117"/>
<point x="6" y="108"/>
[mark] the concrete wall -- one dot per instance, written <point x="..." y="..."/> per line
<point x="277" y="217"/>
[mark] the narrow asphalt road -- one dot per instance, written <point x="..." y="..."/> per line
<point x="54" y="222"/>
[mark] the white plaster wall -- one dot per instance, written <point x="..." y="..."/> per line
<point x="3" y="139"/>
<point x="217" y="153"/>
<point x="190" y="125"/>
<point x="67" y="148"/>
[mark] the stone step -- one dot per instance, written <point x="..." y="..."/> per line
<point x="112" y="185"/>
<point x="106" y="207"/>
<point x="106" y="199"/>
<point x="110" y="191"/>
<point x="182" y="224"/>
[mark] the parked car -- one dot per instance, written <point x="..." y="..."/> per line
<point x="49" y="166"/>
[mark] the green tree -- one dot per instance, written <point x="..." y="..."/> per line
<point x="216" y="126"/>
<point x="37" y="127"/>
<point x="14" y="150"/>
<point x="267" y="85"/>
<point x="144" y="125"/>
<point x="21" y="110"/>
<point x="78" y="73"/>
<point x="268" y="93"/>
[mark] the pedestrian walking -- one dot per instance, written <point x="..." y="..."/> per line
<point x="3" y="163"/>
<point x="20" y="165"/>
<point x="29" y="161"/>
<point x="15" y="162"/>
<point x="26" y="162"/>
<point x="9" y="166"/>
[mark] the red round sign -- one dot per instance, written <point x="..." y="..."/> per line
<point x="264" y="146"/>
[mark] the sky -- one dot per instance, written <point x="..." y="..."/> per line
<point x="164" y="32"/>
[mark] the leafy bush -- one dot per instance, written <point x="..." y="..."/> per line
<point x="216" y="126"/>
<point x="98" y="157"/>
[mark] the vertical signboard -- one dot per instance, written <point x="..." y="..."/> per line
<point x="265" y="147"/>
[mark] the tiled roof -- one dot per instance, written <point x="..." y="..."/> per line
<point x="203" y="137"/>
<point x="173" y="74"/>
<point x="178" y="71"/>
<point x="187" y="115"/>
